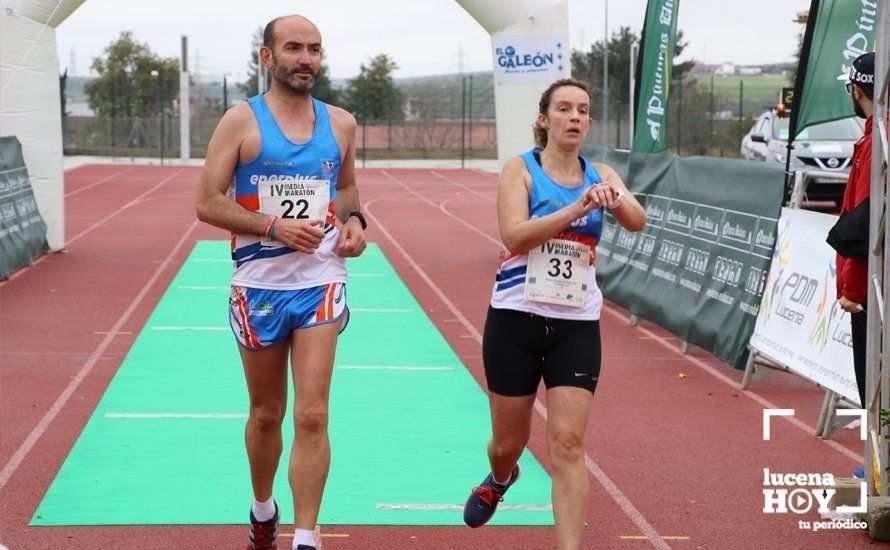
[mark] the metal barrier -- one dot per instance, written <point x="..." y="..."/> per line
<point x="758" y="365"/>
<point x="803" y="178"/>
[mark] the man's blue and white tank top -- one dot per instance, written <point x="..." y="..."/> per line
<point x="281" y="160"/>
<point x="546" y="197"/>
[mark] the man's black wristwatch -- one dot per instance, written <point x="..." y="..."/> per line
<point x="361" y="218"/>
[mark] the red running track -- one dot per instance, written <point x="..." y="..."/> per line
<point x="675" y="462"/>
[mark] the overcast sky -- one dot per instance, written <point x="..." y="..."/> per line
<point x="423" y="36"/>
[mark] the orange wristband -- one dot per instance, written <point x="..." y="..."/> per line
<point x="268" y="232"/>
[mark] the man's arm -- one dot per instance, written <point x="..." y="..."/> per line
<point x="347" y="199"/>
<point x="213" y="206"/>
<point x="352" y="239"/>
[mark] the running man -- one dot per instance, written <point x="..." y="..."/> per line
<point x="295" y="218"/>
<point x="543" y="320"/>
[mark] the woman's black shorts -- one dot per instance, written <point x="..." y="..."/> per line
<point x="519" y="348"/>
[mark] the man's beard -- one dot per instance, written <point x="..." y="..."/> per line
<point x="290" y="81"/>
<point x="857" y="108"/>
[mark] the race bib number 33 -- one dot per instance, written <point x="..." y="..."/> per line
<point x="558" y="273"/>
<point x="297" y="200"/>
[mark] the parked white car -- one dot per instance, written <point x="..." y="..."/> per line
<point x="827" y="146"/>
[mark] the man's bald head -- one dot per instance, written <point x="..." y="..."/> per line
<point x="296" y="20"/>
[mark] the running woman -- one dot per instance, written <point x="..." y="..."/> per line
<point x="295" y="218"/>
<point x="543" y="320"/>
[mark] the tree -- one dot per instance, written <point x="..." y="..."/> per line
<point x="430" y="102"/>
<point x="373" y="94"/>
<point x="63" y="83"/>
<point x="588" y="66"/>
<point x="125" y="85"/>
<point x="250" y="87"/>
<point x="792" y="73"/>
<point x="323" y="89"/>
<point x="681" y="69"/>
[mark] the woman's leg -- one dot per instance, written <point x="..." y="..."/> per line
<point x="513" y="372"/>
<point x="567" y="412"/>
<point x="571" y="372"/>
<point x="511" y="419"/>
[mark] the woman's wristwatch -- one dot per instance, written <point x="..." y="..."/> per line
<point x="619" y="200"/>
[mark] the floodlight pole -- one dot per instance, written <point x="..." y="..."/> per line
<point x="634" y="51"/>
<point x="605" y="116"/>
<point x="185" y="140"/>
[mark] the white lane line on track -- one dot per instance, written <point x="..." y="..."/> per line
<point x="95" y="183"/>
<point x="187" y="328"/>
<point x="390" y="367"/>
<point x="228" y="288"/>
<point x="409" y="507"/>
<point x="175" y="415"/>
<point x="459" y="184"/>
<point x="617" y="495"/>
<point x="22" y="271"/>
<point x="204" y="288"/>
<point x="26" y="446"/>
<point x="132" y="202"/>
<point x="379" y="310"/>
<point x="441" y="208"/>
<point x="766" y="403"/>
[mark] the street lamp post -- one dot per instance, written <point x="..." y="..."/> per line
<point x="606" y="77"/>
<point x="225" y="94"/>
<point x="160" y="75"/>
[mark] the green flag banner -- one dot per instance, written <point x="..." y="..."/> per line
<point x="699" y="266"/>
<point x="653" y="78"/>
<point x="838" y="31"/>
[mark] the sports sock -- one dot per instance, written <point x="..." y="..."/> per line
<point x="264" y="511"/>
<point x="305" y="537"/>
<point x="502" y="484"/>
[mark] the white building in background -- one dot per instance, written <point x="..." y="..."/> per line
<point x="749" y="71"/>
<point x="725" y="69"/>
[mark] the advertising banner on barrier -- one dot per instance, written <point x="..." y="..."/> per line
<point x="699" y="265"/>
<point x="800" y="324"/>
<point x="22" y="229"/>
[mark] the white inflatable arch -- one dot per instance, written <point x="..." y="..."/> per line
<point x="30" y="100"/>
<point x="535" y="30"/>
<point x="528" y="38"/>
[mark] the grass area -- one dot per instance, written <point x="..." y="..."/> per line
<point x="754" y="83"/>
<point x="758" y="93"/>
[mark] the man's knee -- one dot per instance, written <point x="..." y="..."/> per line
<point x="312" y="420"/>
<point x="266" y="418"/>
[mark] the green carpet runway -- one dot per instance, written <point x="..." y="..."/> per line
<point x="408" y="424"/>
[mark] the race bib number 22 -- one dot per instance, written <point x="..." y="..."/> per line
<point x="298" y="200"/>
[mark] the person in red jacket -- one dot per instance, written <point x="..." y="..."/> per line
<point x="852" y="273"/>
